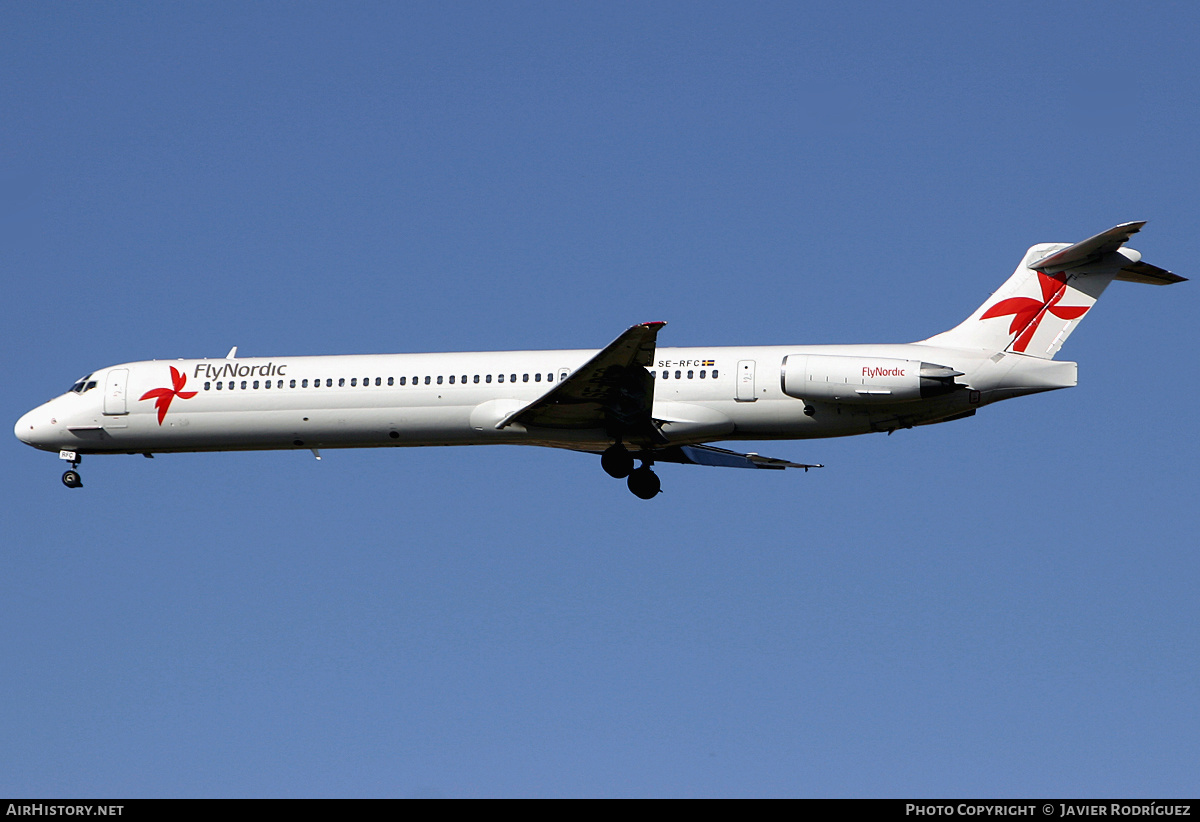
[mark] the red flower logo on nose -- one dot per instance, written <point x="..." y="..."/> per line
<point x="1028" y="313"/>
<point x="163" y="396"/>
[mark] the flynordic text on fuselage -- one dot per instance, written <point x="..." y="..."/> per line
<point x="227" y="370"/>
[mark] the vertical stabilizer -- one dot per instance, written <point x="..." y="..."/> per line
<point x="1052" y="289"/>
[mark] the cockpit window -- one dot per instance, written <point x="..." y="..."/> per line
<point x="84" y="384"/>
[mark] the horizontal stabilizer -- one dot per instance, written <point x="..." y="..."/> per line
<point x="1148" y="274"/>
<point x="1093" y="248"/>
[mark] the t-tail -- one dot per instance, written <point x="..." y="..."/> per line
<point x="1051" y="291"/>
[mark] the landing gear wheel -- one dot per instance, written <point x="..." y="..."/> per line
<point x="644" y="483"/>
<point x="71" y="479"/>
<point x="616" y="461"/>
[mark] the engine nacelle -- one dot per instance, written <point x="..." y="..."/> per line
<point x="825" y="377"/>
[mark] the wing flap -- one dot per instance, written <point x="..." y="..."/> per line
<point x="721" y="458"/>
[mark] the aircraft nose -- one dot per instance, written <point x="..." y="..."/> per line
<point x="34" y="429"/>
<point x="24" y="428"/>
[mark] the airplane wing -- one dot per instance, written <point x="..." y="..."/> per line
<point x="708" y="455"/>
<point x="613" y="390"/>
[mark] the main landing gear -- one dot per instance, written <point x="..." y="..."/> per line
<point x="617" y="462"/>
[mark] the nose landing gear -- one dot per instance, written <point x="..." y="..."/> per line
<point x="71" y="478"/>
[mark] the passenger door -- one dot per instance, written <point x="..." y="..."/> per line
<point x="114" y="392"/>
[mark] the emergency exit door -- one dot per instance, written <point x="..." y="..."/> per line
<point x="745" y="381"/>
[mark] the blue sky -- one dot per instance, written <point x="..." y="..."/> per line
<point x="1002" y="606"/>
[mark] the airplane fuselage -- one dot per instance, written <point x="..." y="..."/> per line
<point x="700" y="394"/>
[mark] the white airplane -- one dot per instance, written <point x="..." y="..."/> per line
<point x="628" y="401"/>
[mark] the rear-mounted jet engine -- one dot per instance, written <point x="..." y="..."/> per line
<point x="816" y="377"/>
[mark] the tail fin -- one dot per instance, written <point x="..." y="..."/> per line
<point x="1039" y="306"/>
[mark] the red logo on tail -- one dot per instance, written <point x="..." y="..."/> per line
<point x="1028" y="313"/>
<point x="163" y="396"/>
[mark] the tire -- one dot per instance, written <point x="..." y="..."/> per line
<point x="616" y="461"/>
<point x="644" y="483"/>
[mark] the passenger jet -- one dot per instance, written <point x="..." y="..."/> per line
<point x="630" y="402"/>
